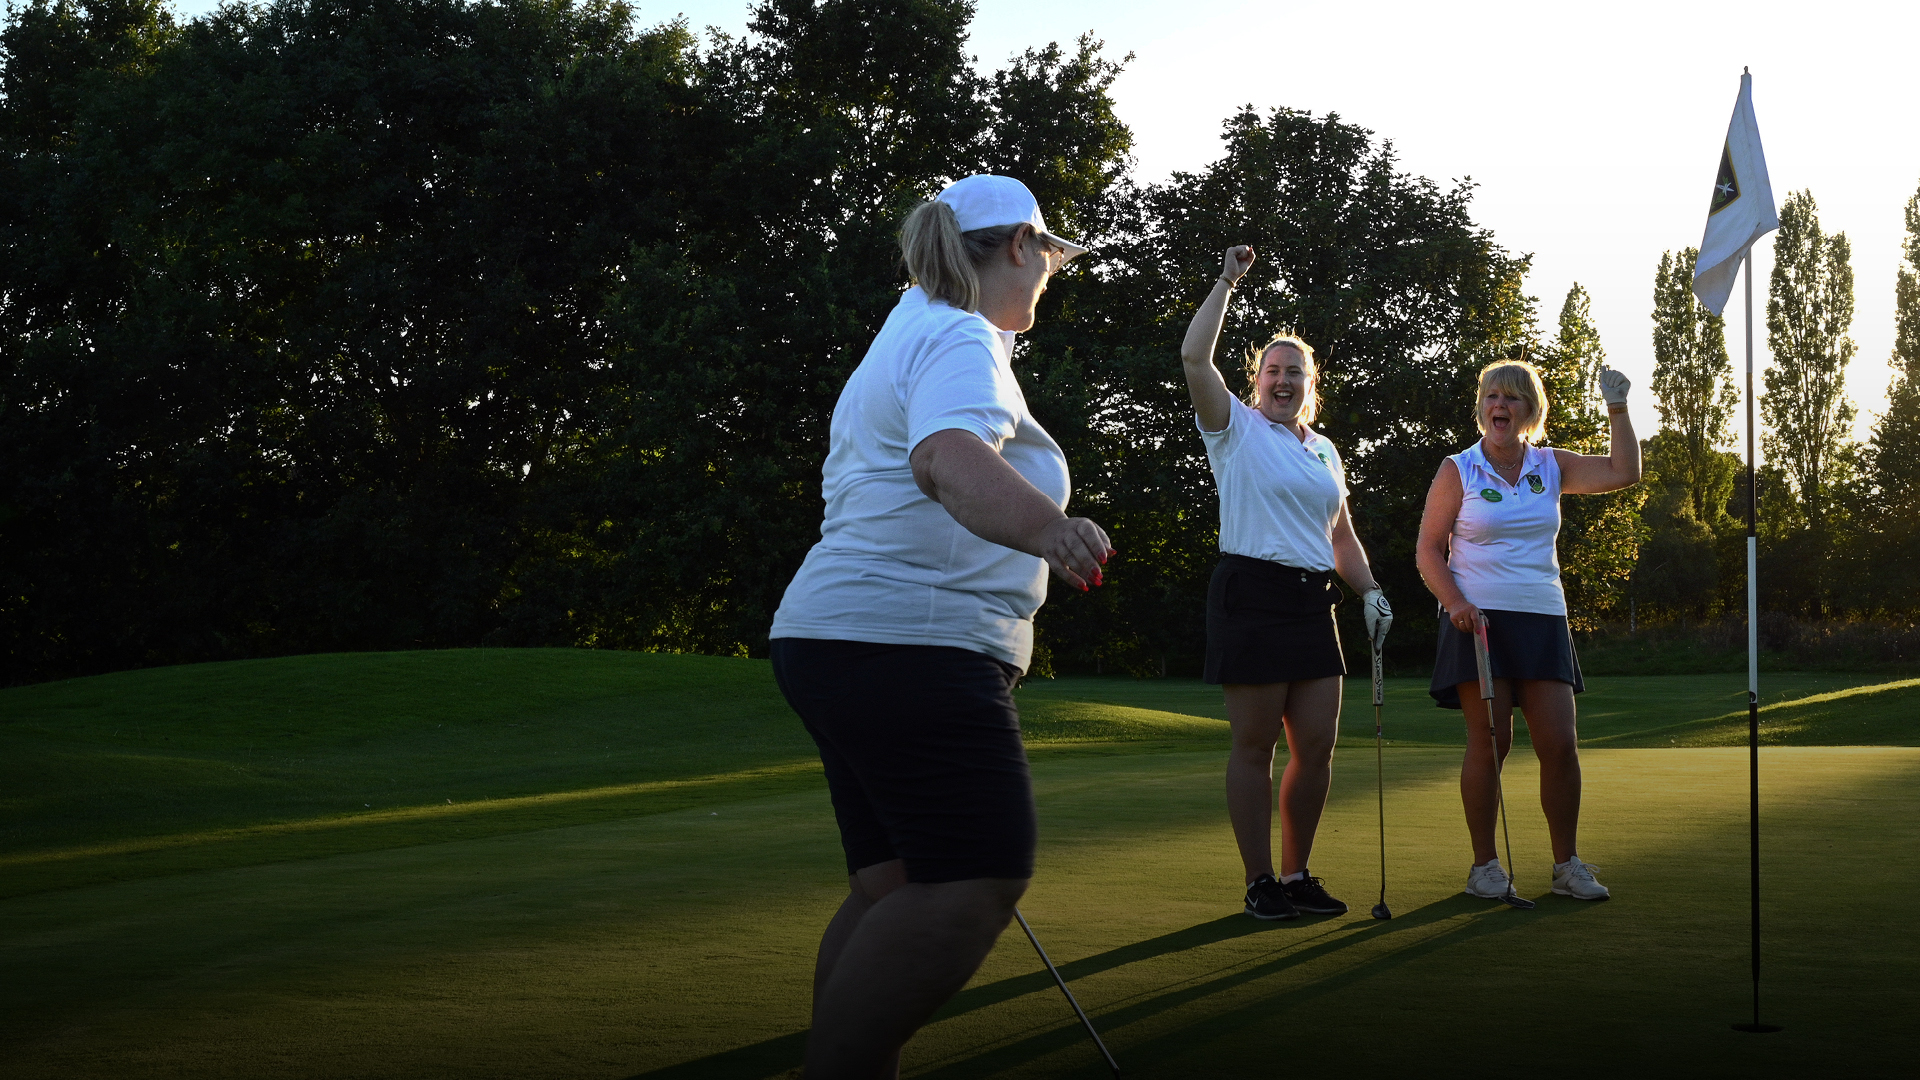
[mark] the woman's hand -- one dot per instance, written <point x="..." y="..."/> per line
<point x="1238" y="261"/>
<point x="1613" y="387"/>
<point x="1465" y="617"/>
<point x="1076" y="549"/>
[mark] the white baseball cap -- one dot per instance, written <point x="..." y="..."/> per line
<point x="983" y="200"/>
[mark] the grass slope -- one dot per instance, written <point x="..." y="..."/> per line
<point x="639" y="858"/>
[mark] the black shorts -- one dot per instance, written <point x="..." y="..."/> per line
<point x="921" y="745"/>
<point x="1520" y="645"/>
<point x="1269" y="623"/>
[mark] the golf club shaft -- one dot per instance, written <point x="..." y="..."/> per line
<point x="1485" y="664"/>
<point x="1077" y="1010"/>
<point x="1379" y="766"/>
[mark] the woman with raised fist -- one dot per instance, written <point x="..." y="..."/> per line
<point x="1271" y="642"/>
<point x="1487" y="552"/>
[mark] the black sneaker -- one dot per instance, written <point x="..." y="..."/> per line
<point x="1267" y="899"/>
<point x="1310" y="896"/>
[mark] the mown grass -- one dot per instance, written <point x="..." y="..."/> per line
<point x="639" y="856"/>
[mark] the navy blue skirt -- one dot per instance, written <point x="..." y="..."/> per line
<point x="1520" y="645"/>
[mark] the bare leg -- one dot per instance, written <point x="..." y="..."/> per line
<point x="1548" y="707"/>
<point x="1313" y="724"/>
<point x="1257" y="714"/>
<point x="1478" y="794"/>
<point x="910" y="950"/>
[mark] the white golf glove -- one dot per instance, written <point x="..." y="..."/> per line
<point x="1614" y="387"/>
<point x="1373" y="607"/>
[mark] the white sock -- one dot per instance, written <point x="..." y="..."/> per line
<point x="1291" y="878"/>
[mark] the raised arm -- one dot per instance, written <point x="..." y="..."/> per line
<point x="1430" y="551"/>
<point x="1590" y="474"/>
<point x="1212" y="403"/>
<point x="995" y="503"/>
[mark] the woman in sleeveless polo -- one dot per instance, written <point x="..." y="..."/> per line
<point x="1487" y="551"/>
<point x="1271" y="642"/>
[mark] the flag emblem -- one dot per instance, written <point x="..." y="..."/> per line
<point x="1491" y="495"/>
<point x="1726" y="186"/>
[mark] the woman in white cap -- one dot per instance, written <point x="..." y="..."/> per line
<point x="1271" y="641"/>
<point x="1486" y="550"/>
<point x="901" y="638"/>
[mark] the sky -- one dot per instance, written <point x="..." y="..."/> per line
<point x="1593" y="131"/>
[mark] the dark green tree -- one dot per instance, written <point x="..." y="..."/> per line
<point x="1809" y="316"/>
<point x="1692" y="385"/>
<point x="1893" y="456"/>
<point x="1385" y="273"/>
<point x="1599" y="534"/>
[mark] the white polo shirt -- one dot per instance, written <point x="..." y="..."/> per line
<point x="1503" y="553"/>
<point x="1279" y="496"/>
<point x="892" y="566"/>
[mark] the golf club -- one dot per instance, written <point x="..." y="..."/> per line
<point x="1380" y="910"/>
<point x="1493" y="739"/>
<point x="1078" y="1011"/>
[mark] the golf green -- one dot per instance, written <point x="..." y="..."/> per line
<point x="638" y="856"/>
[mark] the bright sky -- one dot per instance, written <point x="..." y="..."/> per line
<point x="1594" y="131"/>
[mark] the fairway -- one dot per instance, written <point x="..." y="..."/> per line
<point x="546" y="863"/>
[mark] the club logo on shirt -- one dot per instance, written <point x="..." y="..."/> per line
<point x="1491" y="495"/>
<point x="1534" y="485"/>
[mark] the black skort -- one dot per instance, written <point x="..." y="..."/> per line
<point x="1520" y="645"/>
<point x="1268" y="623"/>
<point x="921" y="745"/>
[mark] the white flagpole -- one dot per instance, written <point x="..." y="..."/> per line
<point x="1753" y="652"/>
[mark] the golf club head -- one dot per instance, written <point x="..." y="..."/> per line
<point x="1518" y="902"/>
<point x="1380" y="911"/>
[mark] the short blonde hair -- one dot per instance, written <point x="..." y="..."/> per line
<point x="1522" y="380"/>
<point x="944" y="261"/>
<point x="1258" y="356"/>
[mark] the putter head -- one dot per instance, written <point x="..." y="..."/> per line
<point x="1518" y="902"/>
<point x="1380" y="911"/>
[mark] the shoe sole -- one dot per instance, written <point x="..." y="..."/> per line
<point x="1272" y="918"/>
<point x="1484" y="896"/>
<point x="1558" y="891"/>
<point x="1341" y="910"/>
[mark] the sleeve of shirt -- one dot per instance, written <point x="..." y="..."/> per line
<point x="958" y="385"/>
<point x="1219" y="442"/>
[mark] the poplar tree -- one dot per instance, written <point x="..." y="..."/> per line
<point x="1600" y="535"/>
<point x="1692" y="386"/>
<point x="1809" y="314"/>
<point x="1893" y="456"/>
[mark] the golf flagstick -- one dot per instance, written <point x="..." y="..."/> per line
<point x="1380" y="910"/>
<point x="1078" y="1011"/>
<point x="1493" y="739"/>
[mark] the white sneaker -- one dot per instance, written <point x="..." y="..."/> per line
<point x="1575" y="878"/>
<point x="1488" y="882"/>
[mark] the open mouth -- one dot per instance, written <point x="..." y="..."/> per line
<point x="1499" y="422"/>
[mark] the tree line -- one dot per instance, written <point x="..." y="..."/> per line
<point x="374" y="324"/>
<point x="1837" y="517"/>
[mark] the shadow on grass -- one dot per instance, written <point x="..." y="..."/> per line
<point x="1485" y="919"/>
<point x="786" y="1051"/>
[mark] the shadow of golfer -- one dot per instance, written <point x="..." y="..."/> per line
<point x="1477" y="917"/>
<point x="786" y="1051"/>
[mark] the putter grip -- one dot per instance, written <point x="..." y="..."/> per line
<point x="1379" y="681"/>
<point x="1481" y="661"/>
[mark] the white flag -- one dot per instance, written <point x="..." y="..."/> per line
<point x="1742" y="207"/>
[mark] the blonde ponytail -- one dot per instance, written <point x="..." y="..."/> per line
<point x="944" y="261"/>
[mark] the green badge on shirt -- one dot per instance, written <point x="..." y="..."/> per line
<point x="1534" y="485"/>
<point x="1491" y="495"/>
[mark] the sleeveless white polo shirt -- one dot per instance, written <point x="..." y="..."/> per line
<point x="1503" y="553"/>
